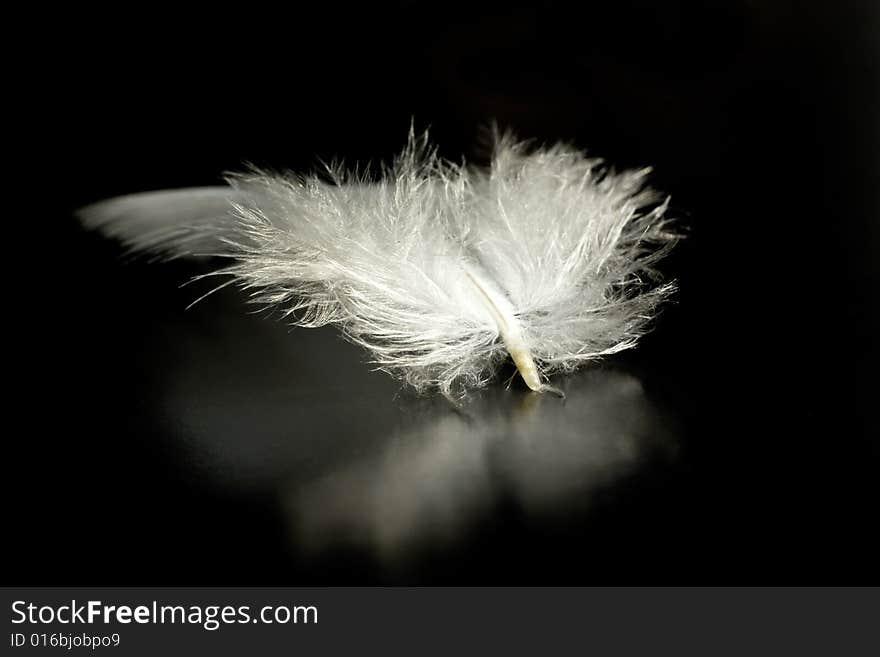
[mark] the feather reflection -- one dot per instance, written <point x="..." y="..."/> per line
<point x="430" y="484"/>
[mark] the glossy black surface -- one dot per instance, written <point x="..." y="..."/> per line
<point x="152" y="445"/>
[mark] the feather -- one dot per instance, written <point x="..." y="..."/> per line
<point x="440" y="271"/>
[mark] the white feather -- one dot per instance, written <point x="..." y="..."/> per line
<point x="438" y="270"/>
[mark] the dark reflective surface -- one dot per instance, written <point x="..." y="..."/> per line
<point x="357" y="462"/>
<point x="145" y="444"/>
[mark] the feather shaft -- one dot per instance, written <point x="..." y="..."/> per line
<point x="509" y="328"/>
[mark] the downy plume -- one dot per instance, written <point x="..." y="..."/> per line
<point x="439" y="270"/>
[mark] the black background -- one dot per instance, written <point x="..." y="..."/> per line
<point x="760" y="118"/>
